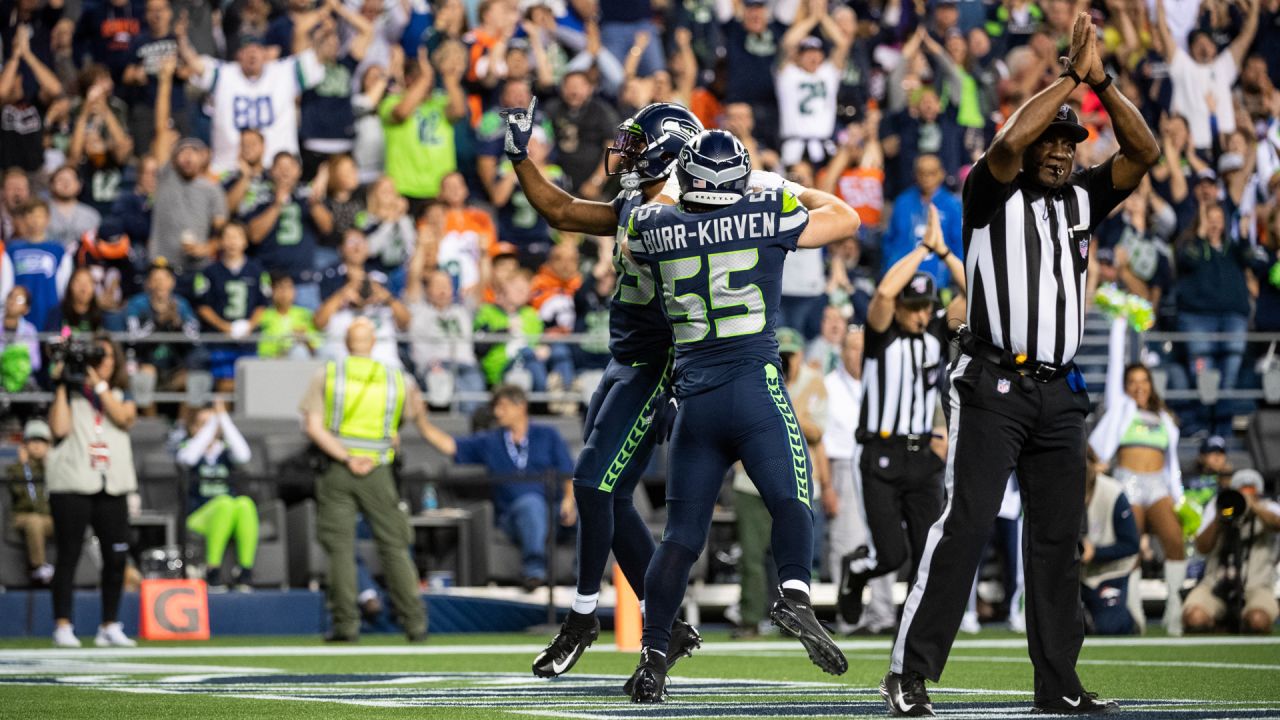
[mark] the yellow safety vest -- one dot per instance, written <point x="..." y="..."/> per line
<point x="362" y="403"/>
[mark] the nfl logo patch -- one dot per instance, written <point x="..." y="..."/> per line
<point x="920" y="284"/>
<point x="1002" y="386"/>
<point x="1084" y="248"/>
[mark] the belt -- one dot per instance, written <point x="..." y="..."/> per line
<point x="975" y="346"/>
<point x="913" y="443"/>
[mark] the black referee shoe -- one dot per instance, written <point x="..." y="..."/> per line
<point x="1086" y="703"/>
<point x="648" y="684"/>
<point x="576" y="635"/>
<point x="905" y="695"/>
<point x="849" y="597"/>
<point x="793" y="614"/>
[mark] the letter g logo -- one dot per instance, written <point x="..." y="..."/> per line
<point x="177" y="610"/>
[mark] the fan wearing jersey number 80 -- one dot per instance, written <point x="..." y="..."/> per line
<point x="717" y="259"/>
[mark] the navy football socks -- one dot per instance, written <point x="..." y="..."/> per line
<point x="666" y="580"/>
<point x="633" y="544"/>
<point x="792" y="540"/>
<point x="608" y="521"/>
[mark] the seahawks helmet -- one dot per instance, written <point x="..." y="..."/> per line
<point x="648" y="143"/>
<point x="713" y="169"/>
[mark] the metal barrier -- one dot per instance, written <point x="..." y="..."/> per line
<point x="1090" y="342"/>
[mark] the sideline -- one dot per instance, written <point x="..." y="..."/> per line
<point x="718" y="648"/>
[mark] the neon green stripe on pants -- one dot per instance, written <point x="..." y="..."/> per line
<point x="642" y="424"/>
<point x="799" y="460"/>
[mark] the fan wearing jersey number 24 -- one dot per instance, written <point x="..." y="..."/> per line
<point x="718" y="257"/>
<point x="619" y="434"/>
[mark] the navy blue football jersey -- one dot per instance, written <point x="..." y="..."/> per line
<point x="290" y="246"/>
<point x="637" y="329"/>
<point x="232" y="295"/>
<point x="720" y="274"/>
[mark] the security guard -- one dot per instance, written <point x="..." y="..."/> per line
<point x="352" y="411"/>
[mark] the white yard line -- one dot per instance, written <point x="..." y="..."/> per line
<point x="799" y="653"/>
<point x="1130" y="663"/>
<point x="515" y="692"/>
<point x="721" y="648"/>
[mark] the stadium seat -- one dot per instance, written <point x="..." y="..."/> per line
<point x="149" y="429"/>
<point x="502" y="557"/>
<point x="271" y="565"/>
<point x="13" y="555"/>
<point x="1263" y="441"/>
<point x="308" y="565"/>
<point x="283" y="447"/>
<point x="421" y="460"/>
<point x="271" y="388"/>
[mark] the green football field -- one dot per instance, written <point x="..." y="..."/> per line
<point x="487" y="676"/>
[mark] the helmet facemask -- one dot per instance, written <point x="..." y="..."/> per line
<point x="627" y="150"/>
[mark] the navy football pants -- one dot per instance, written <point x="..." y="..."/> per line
<point x="618" y="442"/>
<point x="749" y="418"/>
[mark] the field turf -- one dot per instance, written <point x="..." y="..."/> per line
<point x="487" y="676"/>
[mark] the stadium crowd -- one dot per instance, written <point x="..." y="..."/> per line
<point x="276" y="171"/>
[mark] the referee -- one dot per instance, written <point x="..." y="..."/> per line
<point x="1017" y="400"/>
<point x="906" y="347"/>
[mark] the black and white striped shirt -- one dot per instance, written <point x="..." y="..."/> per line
<point x="900" y="375"/>
<point x="1026" y="254"/>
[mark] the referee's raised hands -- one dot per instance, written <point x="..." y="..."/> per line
<point x="1083" y="52"/>
<point x="933" y="232"/>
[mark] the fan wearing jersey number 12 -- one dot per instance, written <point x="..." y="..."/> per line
<point x="718" y="257"/>
<point x="620" y="432"/>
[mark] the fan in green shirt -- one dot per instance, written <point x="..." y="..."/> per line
<point x="284" y="326"/>
<point x="418" y="123"/>
<point x="510" y="314"/>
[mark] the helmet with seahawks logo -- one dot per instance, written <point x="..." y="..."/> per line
<point x="713" y="169"/>
<point x="647" y="144"/>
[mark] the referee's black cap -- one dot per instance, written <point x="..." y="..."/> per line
<point x="920" y="290"/>
<point x="1067" y="120"/>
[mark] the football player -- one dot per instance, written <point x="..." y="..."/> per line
<point x="717" y="257"/>
<point x="619" y="432"/>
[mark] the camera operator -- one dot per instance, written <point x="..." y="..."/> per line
<point x="1239" y="542"/>
<point x="89" y="476"/>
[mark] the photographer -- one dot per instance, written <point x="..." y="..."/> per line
<point x="1108" y="552"/>
<point x="89" y="475"/>
<point x="1239" y="542"/>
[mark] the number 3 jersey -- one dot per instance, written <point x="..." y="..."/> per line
<point x="232" y="294"/>
<point x="720" y="275"/>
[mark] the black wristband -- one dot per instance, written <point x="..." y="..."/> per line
<point x="944" y="257"/>
<point x="1102" y="86"/>
<point x="1070" y="72"/>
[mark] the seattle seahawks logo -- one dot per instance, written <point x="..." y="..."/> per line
<point x="679" y="128"/>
